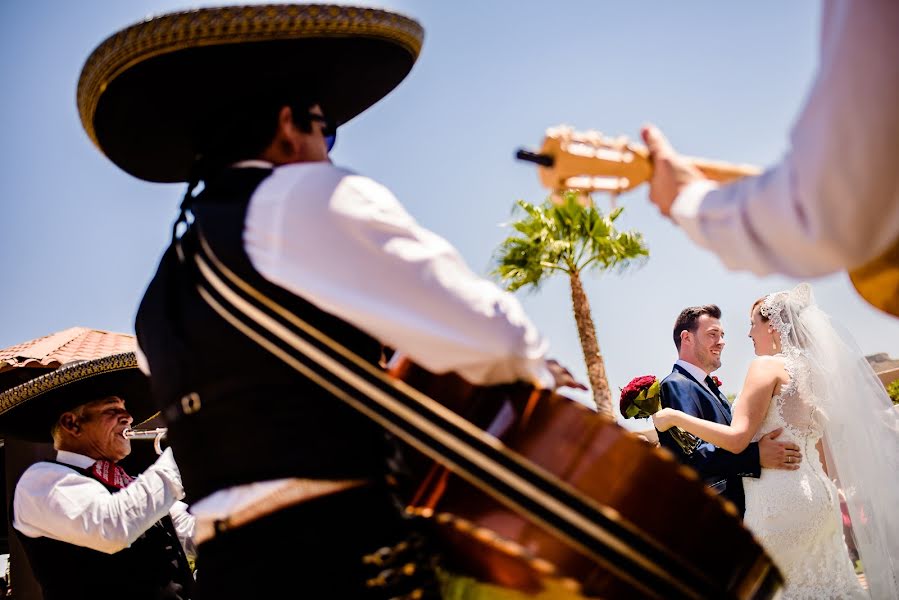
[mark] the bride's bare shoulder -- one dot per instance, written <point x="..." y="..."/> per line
<point x="772" y="360"/>
<point x="773" y="367"/>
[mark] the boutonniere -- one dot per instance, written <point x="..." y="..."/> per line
<point x="716" y="380"/>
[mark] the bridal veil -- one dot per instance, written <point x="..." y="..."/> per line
<point x="860" y="424"/>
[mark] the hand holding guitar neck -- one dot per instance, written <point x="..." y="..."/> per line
<point x="589" y="161"/>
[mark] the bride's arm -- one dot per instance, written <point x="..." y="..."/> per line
<point x="764" y="374"/>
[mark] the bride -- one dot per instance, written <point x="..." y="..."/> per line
<point x="813" y="382"/>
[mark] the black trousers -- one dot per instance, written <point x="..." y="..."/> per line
<point x="315" y="549"/>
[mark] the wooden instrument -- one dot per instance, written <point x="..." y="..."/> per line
<point x="661" y="532"/>
<point x="589" y="161"/>
<point x="526" y="488"/>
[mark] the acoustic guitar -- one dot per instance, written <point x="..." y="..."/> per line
<point x="612" y="516"/>
<point x="590" y="161"/>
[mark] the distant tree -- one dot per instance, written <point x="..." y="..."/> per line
<point x="893" y="391"/>
<point x="569" y="237"/>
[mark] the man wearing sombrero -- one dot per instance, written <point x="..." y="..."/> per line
<point x="248" y="100"/>
<point x="88" y="528"/>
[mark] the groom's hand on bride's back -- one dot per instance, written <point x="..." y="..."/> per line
<point x="778" y="455"/>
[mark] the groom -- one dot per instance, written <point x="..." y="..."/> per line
<point x="699" y="338"/>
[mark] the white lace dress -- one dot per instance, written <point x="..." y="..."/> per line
<point x="796" y="515"/>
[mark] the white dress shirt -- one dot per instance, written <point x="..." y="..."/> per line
<point x="697" y="373"/>
<point x="54" y="501"/>
<point x="344" y="243"/>
<point x="832" y="203"/>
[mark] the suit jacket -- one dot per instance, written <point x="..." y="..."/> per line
<point x="721" y="470"/>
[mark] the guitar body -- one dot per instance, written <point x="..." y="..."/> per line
<point x="660" y="515"/>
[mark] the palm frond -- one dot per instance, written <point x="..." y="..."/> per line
<point x="566" y="236"/>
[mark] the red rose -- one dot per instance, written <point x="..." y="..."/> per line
<point x="633" y="389"/>
<point x="717" y="381"/>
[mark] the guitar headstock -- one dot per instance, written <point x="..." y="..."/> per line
<point x="589" y="161"/>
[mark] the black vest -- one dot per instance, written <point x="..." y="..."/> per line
<point x="258" y="419"/>
<point x="154" y="567"/>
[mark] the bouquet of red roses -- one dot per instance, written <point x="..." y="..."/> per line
<point x="642" y="398"/>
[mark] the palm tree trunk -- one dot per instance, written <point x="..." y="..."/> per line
<point x="596" y="367"/>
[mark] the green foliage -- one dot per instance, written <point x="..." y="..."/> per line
<point x="565" y="237"/>
<point x="893" y="391"/>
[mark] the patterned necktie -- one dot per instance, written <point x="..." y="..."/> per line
<point x="111" y="474"/>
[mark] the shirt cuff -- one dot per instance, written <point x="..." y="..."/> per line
<point x="167" y="468"/>
<point x="685" y="208"/>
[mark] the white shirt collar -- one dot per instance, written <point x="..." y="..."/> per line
<point x="253" y="164"/>
<point x="73" y="458"/>
<point x="697" y="373"/>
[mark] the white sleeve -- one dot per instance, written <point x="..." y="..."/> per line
<point x="832" y="203"/>
<point x="359" y="255"/>
<point x="185" y="526"/>
<point x="55" y="502"/>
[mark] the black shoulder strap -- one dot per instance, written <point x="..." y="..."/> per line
<point x="439" y="433"/>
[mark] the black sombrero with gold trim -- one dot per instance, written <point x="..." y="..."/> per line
<point x="141" y="90"/>
<point x="29" y="410"/>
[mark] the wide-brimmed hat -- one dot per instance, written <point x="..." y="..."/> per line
<point x="142" y="89"/>
<point x="878" y="281"/>
<point x="29" y="410"/>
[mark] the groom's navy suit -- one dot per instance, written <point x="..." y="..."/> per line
<point x="722" y="470"/>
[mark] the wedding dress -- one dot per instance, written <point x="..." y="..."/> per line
<point x="796" y="514"/>
<point x="832" y="397"/>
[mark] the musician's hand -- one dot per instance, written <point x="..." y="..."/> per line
<point x="671" y="173"/>
<point x="563" y="376"/>
<point x="663" y="420"/>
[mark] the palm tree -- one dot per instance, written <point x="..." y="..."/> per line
<point x="569" y="237"/>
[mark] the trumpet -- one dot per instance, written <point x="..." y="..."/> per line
<point x="156" y="435"/>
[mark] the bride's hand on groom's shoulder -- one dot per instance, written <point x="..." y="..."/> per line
<point x="663" y="420"/>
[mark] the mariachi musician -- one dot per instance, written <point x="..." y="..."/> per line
<point x="90" y="530"/>
<point x="257" y="94"/>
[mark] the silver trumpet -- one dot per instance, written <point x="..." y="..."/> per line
<point x="156" y="435"/>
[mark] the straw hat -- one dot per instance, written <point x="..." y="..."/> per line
<point x="29" y="410"/>
<point x="141" y="91"/>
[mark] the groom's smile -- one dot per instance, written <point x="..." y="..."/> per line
<point x="706" y="344"/>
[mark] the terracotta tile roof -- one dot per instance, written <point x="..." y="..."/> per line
<point x="75" y="343"/>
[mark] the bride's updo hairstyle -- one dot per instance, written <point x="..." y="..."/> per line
<point x="781" y="310"/>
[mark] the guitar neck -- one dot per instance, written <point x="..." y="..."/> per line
<point x="716" y="170"/>
<point x="723" y="172"/>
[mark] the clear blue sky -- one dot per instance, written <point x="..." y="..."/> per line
<point x="80" y="239"/>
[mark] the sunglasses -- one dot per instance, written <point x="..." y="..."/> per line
<point x="329" y="128"/>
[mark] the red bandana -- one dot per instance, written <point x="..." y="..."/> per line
<point x="111" y="474"/>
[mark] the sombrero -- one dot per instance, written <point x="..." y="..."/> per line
<point x="141" y="90"/>
<point x="878" y="281"/>
<point x="29" y="410"/>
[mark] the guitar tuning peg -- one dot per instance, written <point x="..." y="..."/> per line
<point x="593" y="137"/>
<point x="620" y="143"/>
<point x="561" y="131"/>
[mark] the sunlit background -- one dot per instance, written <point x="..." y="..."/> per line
<point x="80" y="238"/>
